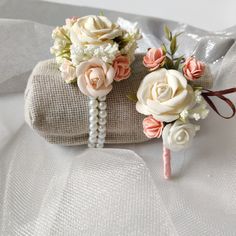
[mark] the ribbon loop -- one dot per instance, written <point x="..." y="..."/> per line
<point x="220" y="94"/>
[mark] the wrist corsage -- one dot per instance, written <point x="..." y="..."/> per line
<point x="94" y="52"/>
<point x="170" y="99"/>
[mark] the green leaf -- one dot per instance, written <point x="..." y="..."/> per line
<point x="64" y="53"/>
<point x="198" y="88"/>
<point x="168" y="33"/>
<point x="177" y="62"/>
<point x="132" y="97"/>
<point x="178" y="34"/>
<point x="182" y="57"/>
<point x="101" y="13"/>
<point x="169" y="63"/>
<point x="173" y="45"/>
<point x="164" y="49"/>
<point x="74" y="81"/>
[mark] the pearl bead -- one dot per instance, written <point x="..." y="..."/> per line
<point x="93" y="103"/>
<point x="93" y="119"/>
<point x="101" y="135"/>
<point x="93" y="112"/>
<point x="93" y="134"/>
<point x="101" y="140"/>
<point x="102" y="128"/>
<point x="102" y="132"/>
<point x="102" y="121"/>
<point x="102" y="105"/>
<point x="93" y="127"/>
<point x="103" y="114"/>
<point x="92" y="139"/>
<point x="98" y="145"/>
<point x="91" y="145"/>
<point x="97" y="121"/>
<point x="102" y="99"/>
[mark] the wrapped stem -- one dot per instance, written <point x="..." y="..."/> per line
<point x="166" y="162"/>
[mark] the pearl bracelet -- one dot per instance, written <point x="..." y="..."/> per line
<point x="97" y="122"/>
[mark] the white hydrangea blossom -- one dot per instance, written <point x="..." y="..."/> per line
<point x="77" y="54"/>
<point x="107" y="52"/>
<point x="198" y="111"/>
<point x="184" y="114"/>
<point x="129" y="50"/>
<point x="61" y="46"/>
<point x="131" y="36"/>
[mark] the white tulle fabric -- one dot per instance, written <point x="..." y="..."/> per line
<point x="97" y="192"/>
<point x="53" y="190"/>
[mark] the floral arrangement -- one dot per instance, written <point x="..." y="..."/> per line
<point x="169" y="99"/>
<point x="94" y="52"/>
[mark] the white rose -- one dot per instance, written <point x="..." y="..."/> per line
<point x="164" y="94"/>
<point x="179" y="135"/>
<point x="94" y="29"/>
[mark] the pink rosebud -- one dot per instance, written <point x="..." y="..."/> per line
<point x="154" y="58"/>
<point x="193" y="69"/>
<point x="152" y="128"/>
<point x="122" y="67"/>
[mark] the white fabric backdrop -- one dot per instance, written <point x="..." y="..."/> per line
<point x="52" y="190"/>
<point x="209" y="15"/>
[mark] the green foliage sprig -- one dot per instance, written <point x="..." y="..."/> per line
<point x="171" y="61"/>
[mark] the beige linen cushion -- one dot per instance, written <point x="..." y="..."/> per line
<point x="59" y="111"/>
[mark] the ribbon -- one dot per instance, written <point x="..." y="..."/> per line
<point x="220" y="94"/>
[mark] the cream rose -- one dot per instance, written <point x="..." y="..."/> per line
<point x="95" y="77"/>
<point x="179" y="135"/>
<point x="94" y="29"/>
<point x="164" y="94"/>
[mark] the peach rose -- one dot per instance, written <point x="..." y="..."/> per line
<point x="154" y="58"/>
<point x="95" y="77"/>
<point x="152" y="128"/>
<point x="122" y="68"/>
<point x="193" y="69"/>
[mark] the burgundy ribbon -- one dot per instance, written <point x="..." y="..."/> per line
<point x="220" y="94"/>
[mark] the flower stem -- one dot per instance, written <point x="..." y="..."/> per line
<point x="166" y="162"/>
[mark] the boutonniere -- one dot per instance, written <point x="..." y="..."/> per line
<point x="171" y="101"/>
<point x="94" y="52"/>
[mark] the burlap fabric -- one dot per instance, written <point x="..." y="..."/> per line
<point x="59" y="111"/>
